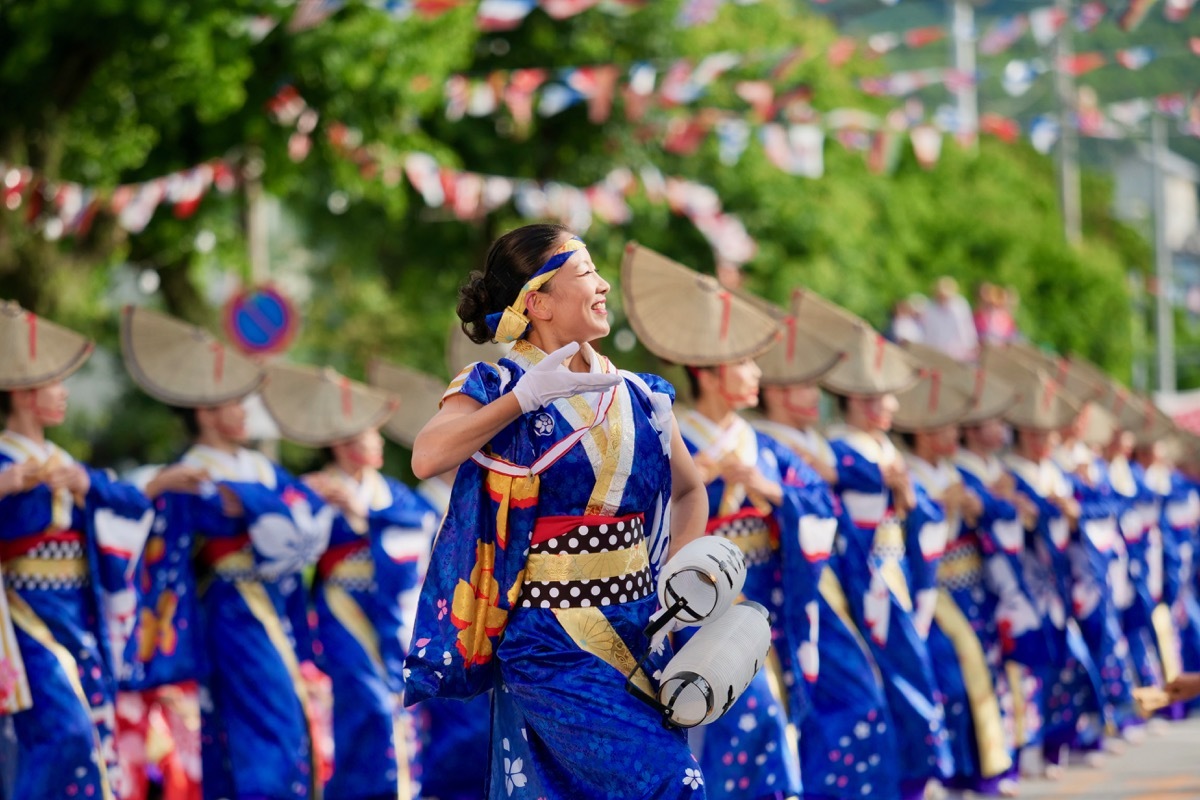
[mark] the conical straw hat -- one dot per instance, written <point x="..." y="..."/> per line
<point x="933" y="402"/>
<point x="181" y="364"/>
<point x="870" y="365"/>
<point x="1042" y="405"/>
<point x="318" y="406"/>
<point x="1083" y="381"/>
<point x="992" y="396"/>
<point x="35" y="351"/>
<point x="419" y="396"/>
<point x="687" y="318"/>
<point x="460" y="351"/>
<point x="1100" y="426"/>
<point x="799" y="356"/>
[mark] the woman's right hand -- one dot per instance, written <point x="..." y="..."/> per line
<point x="18" y="478"/>
<point x="547" y="381"/>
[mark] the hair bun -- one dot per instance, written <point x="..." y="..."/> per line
<point x="474" y="304"/>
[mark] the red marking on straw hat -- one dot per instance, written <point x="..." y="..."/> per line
<point x="726" y="309"/>
<point x="218" y="350"/>
<point x="31" y="319"/>
<point x="346" y="396"/>
<point x="789" y="322"/>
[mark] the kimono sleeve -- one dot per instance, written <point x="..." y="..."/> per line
<point x="482" y="382"/>
<point x="289" y="525"/>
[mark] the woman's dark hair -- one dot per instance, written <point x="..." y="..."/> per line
<point x="5" y="406"/>
<point x="843" y="404"/>
<point x="188" y="417"/>
<point x="910" y="440"/>
<point x="693" y="380"/>
<point x="511" y="261"/>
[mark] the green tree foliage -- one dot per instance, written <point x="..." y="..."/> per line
<point x="166" y="86"/>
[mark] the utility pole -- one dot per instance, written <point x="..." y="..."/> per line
<point x="256" y="220"/>
<point x="1068" y="133"/>
<point x="966" y="94"/>
<point x="1164" y="308"/>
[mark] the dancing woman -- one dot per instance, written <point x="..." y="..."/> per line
<point x="542" y="577"/>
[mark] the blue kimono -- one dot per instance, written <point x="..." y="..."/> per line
<point x="893" y="598"/>
<point x="1100" y="581"/>
<point x="454" y="734"/>
<point x="1071" y="708"/>
<point x="1141" y="602"/>
<point x="223" y="603"/>
<point x="69" y="569"/>
<point x="847" y="741"/>
<point x="365" y="596"/>
<point x="1176" y="511"/>
<point x="963" y="640"/>
<point x="542" y="582"/>
<point x="1015" y="634"/>
<point x="751" y="752"/>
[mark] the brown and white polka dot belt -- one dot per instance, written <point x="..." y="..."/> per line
<point x="578" y="562"/>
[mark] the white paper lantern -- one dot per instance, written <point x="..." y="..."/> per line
<point x="716" y="665"/>
<point x="708" y="574"/>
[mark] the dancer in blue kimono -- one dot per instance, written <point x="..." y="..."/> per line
<point x="367" y="580"/>
<point x="573" y="487"/>
<point x="887" y="517"/>
<point x="847" y="741"/>
<point x="991" y="556"/>
<point x="1071" y="709"/>
<point x="962" y="639"/>
<point x="752" y="751"/>
<point x="222" y="599"/>
<point x="69" y="537"/>
<point x="1100" y="575"/>
<point x="453" y="734"/>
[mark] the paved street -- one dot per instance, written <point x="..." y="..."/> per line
<point x="1164" y="767"/>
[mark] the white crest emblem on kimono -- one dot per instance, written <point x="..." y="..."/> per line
<point x="543" y="424"/>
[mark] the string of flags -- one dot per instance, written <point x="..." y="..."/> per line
<point x="491" y="16"/>
<point x="65" y="208"/>
<point x="1020" y="74"/>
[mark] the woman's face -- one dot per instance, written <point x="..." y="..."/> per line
<point x="228" y="421"/>
<point x="800" y="401"/>
<point x="872" y="413"/>
<point x="576" y="300"/>
<point x="944" y="441"/>
<point x="364" y="450"/>
<point x="48" y="403"/>
<point x="739" y="383"/>
<point x="1035" y="445"/>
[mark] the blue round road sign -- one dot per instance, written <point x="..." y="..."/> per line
<point x="260" y="320"/>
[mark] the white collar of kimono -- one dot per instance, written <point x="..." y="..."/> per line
<point x="1044" y="476"/>
<point x="19" y="448"/>
<point x="806" y="442"/>
<point x="879" y="451"/>
<point x="716" y="442"/>
<point x="528" y="355"/>
<point x="988" y="469"/>
<point x="1120" y="474"/>
<point x="935" y="478"/>
<point x="372" y="490"/>
<point x="1071" y="457"/>
<point x="244" y="465"/>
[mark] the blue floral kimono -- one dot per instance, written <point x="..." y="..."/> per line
<point x="893" y="597"/>
<point x="1015" y="634"/>
<point x="365" y="595"/>
<point x="541" y="584"/>
<point x="847" y="741"/>
<point x="1101" y="585"/>
<point x="1143" y="612"/>
<point x="752" y="752"/>
<point x="454" y="734"/>
<point x="223" y="604"/>
<point x="69" y="570"/>
<point x="963" y="641"/>
<point x="1071" y="708"/>
<point x="1176" y="511"/>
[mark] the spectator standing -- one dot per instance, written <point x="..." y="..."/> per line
<point x="948" y="324"/>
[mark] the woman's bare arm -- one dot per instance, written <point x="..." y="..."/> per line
<point x="689" y="498"/>
<point x="461" y="427"/>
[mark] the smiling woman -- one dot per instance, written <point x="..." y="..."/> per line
<point x="552" y="542"/>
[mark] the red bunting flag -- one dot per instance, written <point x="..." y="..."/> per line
<point x="1135" y="13"/>
<point x="841" y="51"/>
<point x="1083" y="63"/>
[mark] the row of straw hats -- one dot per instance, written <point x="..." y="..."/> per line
<point x="688" y="318"/>
<point x="185" y="366"/>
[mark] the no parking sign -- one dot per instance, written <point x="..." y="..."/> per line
<point x="260" y="320"/>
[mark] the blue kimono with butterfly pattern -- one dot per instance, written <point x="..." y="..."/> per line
<point x="223" y="603"/>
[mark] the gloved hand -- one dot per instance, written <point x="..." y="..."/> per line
<point x="548" y="381"/>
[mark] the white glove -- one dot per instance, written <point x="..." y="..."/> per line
<point x="549" y="381"/>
